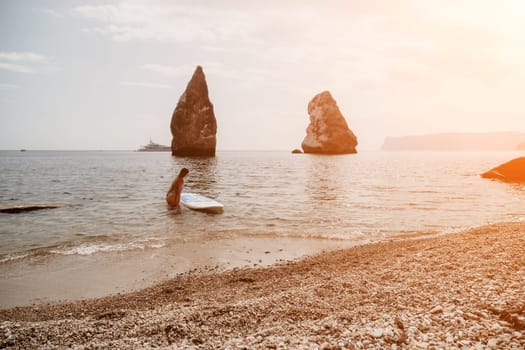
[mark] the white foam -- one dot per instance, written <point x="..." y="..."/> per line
<point x="12" y="258"/>
<point x="92" y="248"/>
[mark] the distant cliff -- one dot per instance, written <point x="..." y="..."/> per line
<point x="494" y="141"/>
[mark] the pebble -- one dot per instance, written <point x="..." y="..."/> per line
<point x="492" y="343"/>
<point x="376" y="332"/>
<point x="437" y="310"/>
<point x="505" y="338"/>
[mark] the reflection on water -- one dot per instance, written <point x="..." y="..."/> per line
<point x="325" y="177"/>
<point x="203" y="174"/>
<point x="116" y="199"/>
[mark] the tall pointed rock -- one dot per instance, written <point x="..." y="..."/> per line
<point x="328" y="132"/>
<point x="193" y="123"/>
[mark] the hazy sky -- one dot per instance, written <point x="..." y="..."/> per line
<point x="108" y="74"/>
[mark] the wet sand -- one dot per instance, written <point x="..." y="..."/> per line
<point x="54" y="278"/>
<point x="464" y="290"/>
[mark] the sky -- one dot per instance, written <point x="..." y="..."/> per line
<point x="108" y="74"/>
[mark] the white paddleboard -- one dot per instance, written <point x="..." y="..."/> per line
<point x="199" y="202"/>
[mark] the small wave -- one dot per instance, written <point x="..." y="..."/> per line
<point x="92" y="248"/>
<point x="356" y="236"/>
<point x="331" y="236"/>
<point x="422" y="191"/>
<point x="83" y="249"/>
<point x="13" y="257"/>
<point x="517" y="216"/>
<point x="416" y="206"/>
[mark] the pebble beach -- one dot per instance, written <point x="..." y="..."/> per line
<point x="456" y="291"/>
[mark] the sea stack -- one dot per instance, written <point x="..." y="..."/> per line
<point x="328" y="132"/>
<point x="513" y="171"/>
<point x="193" y="123"/>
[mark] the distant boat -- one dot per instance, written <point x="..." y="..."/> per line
<point x="23" y="150"/>
<point x="154" y="147"/>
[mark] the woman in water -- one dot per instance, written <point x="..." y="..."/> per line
<point x="173" y="195"/>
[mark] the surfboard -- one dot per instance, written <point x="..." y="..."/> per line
<point x="201" y="203"/>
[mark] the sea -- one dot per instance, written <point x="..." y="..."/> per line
<point x="114" y="200"/>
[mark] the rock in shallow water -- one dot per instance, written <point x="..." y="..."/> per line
<point x="25" y="208"/>
<point x="328" y="132"/>
<point x="513" y="171"/>
<point x="193" y="124"/>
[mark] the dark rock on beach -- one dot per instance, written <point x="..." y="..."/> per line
<point x="513" y="171"/>
<point x="297" y="151"/>
<point x="193" y="124"/>
<point x="328" y="132"/>
<point x="16" y="209"/>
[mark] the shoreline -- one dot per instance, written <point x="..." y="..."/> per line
<point x="61" y="278"/>
<point x="460" y="290"/>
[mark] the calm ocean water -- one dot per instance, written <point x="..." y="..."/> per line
<point x="114" y="201"/>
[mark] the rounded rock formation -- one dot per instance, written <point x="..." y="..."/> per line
<point x="328" y="132"/>
<point x="193" y="123"/>
<point x="513" y="171"/>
